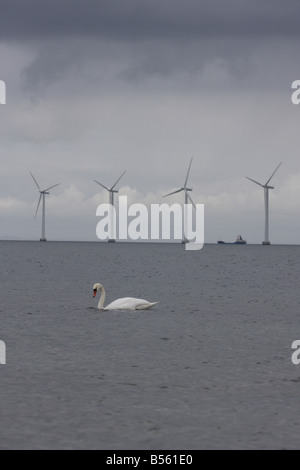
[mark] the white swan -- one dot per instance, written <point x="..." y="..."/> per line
<point x="127" y="303"/>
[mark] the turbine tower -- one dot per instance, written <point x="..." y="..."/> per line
<point x="266" y="189"/>
<point x="112" y="191"/>
<point x="187" y="199"/>
<point x="43" y="195"/>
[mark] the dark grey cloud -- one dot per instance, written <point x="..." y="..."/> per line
<point x="142" y="19"/>
<point x="112" y="64"/>
<point x="108" y="42"/>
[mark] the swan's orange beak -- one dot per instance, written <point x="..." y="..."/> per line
<point x="95" y="293"/>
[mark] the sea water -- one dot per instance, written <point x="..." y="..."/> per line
<point x="208" y="368"/>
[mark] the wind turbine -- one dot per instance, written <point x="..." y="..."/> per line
<point x="187" y="199"/>
<point x="112" y="191"/>
<point x="266" y="189"/>
<point x="43" y="195"/>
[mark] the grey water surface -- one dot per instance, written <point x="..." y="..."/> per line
<point x="208" y="368"/>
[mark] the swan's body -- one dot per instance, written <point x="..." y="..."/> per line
<point x="128" y="303"/>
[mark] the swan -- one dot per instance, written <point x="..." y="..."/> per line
<point x="127" y="303"/>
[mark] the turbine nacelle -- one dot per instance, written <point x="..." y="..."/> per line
<point x="185" y="189"/>
<point x="111" y="190"/>
<point x="266" y="186"/>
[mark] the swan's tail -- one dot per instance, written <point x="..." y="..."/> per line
<point x="147" y="306"/>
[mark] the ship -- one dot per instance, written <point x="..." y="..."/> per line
<point x="239" y="241"/>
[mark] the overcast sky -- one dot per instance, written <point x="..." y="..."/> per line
<point x="100" y="86"/>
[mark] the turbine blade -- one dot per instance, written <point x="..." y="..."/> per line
<point x="256" y="182"/>
<point x="35" y="181"/>
<point x="118" y="180"/>
<point x="175" y="192"/>
<point x="274" y="174"/>
<point x="188" y="173"/>
<point x="38" y="206"/>
<point x="191" y="200"/>
<point x="52" y="187"/>
<point x="102" y="185"/>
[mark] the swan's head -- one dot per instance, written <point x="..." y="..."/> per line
<point x="96" y="288"/>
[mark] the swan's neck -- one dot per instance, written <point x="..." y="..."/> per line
<point x="102" y="298"/>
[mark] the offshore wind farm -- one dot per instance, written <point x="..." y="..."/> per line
<point x="188" y="201"/>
